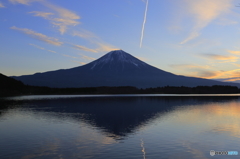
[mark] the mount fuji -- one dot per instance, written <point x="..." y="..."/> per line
<point x="116" y="68"/>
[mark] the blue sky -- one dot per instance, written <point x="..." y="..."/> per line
<point x="197" y="38"/>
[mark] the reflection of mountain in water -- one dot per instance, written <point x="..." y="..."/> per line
<point x="115" y="116"/>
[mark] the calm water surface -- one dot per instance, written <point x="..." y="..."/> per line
<point x="121" y="127"/>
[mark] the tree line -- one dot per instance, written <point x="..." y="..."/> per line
<point x="11" y="87"/>
<point x="37" y="90"/>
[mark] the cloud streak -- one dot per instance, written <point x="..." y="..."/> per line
<point x="25" y="2"/>
<point x="39" y="47"/>
<point x="61" y="18"/>
<point x="42" y="14"/>
<point x="74" y="57"/>
<point x="84" y="48"/>
<point x="36" y="46"/>
<point x="230" y="75"/>
<point x="203" y="12"/>
<point x="38" y="36"/>
<point x="220" y="57"/>
<point x="103" y="47"/>
<point x="192" y="36"/>
<point x="208" y="74"/>
<point x="144" y="21"/>
<point x="232" y="79"/>
<point x="69" y="56"/>
<point x="82" y="63"/>
<point x="196" y="70"/>
<point x="1" y="5"/>
<point x="188" y="66"/>
<point x="234" y="52"/>
<point x="87" y="57"/>
<point x="85" y="34"/>
<point x="52" y="51"/>
<point x="82" y="56"/>
<point x="92" y="38"/>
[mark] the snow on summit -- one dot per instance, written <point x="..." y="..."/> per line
<point x="118" y="56"/>
<point x="116" y="68"/>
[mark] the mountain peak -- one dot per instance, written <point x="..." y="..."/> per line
<point x="119" y="57"/>
<point x="117" y="52"/>
<point x="116" y="68"/>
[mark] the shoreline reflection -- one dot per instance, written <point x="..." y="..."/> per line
<point x="104" y="127"/>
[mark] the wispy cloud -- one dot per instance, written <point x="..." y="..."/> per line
<point x="238" y="65"/>
<point x="84" y="48"/>
<point x="69" y="56"/>
<point x="77" y="57"/>
<point x="74" y="57"/>
<point x="92" y="38"/>
<point x="103" y="47"/>
<point x="42" y="14"/>
<point x="82" y="63"/>
<point x="231" y="74"/>
<point x="232" y="79"/>
<point x="220" y="57"/>
<point x="224" y="21"/>
<point x="84" y="34"/>
<point x="38" y="36"/>
<point x="188" y="66"/>
<point x="26" y="2"/>
<point x="208" y="74"/>
<point x="36" y="46"/>
<point x="63" y="13"/>
<point x="39" y="47"/>
<point x="204" y="12"/>
<point x="87" y="57"/>
<point x="196" y="70"/>
<point x="1" y="5"/>
<point x="234" y="52"/>
<point x="192" y="35"/>
<point x="227" y="75"/>
<point x="52" y="51"/>
<point x="61" y="18"/>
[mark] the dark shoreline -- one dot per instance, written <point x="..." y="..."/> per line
<point x="36" y="90"/>
<point x="12" y="87"/>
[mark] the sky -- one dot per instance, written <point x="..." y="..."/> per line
<point x="199" y="38"/>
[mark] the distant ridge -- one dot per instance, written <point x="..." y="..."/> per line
<point x="116" y="68"/>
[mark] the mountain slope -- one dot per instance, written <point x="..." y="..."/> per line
<point x="9" y="83"/>
<point x="10" y="86"/>
<point x="116" y="68"/>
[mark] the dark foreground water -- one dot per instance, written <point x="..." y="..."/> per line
<point x="119" y="127"/>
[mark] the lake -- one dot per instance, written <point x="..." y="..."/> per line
<point x="119" y="126"/>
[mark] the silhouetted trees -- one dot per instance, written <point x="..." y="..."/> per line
<point x="10" y="87"/>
